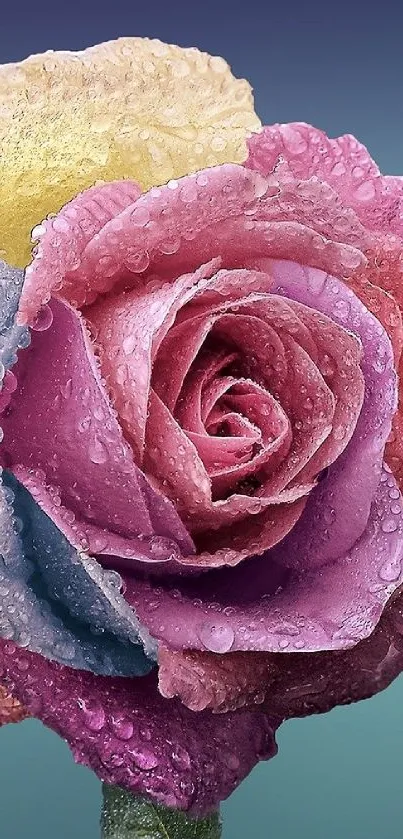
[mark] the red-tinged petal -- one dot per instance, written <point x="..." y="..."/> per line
<point x="339" y="354"/>
<point x="62" y="241"/>
<point x="394" y="446"/>
<point x="288" y="685"/>
<point x="246" y="399"/>
<point x="73" y="438"/>
<point x="223" y="453"/>
<point x="128" y="329"/>
<point x="183" y="343"/>
<point x="130" y="736"/>
<point x="259" y="606"/>
<point x="203" y="680"/>
<point x="173" y="460"/>
<point x="11" y="709"/>
<point x="345" y="164"/>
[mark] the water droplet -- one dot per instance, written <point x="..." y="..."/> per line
<point x="389" y="525"/>
<point x="232" y="761"/>
<point x="218" y="638"/>
<point x="129" y="344"/>
<point x="390" y="571"/>
<point x="122" y="727"/>
<point x="67" y="389"/>
<point x="98" y="452"/>
<point x="94" y="715"/>
<point x="181" y="758"/>
<point x="37" y="232"/>
<point x="145" y="758"/>
<point x="84" y="425"/>
<point x="43" y="320"/>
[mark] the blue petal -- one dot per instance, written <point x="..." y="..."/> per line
<point x="31" y="613"/>
<point x="12" y="337"/>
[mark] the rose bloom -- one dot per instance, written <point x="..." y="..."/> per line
<point x="195" y="432"/>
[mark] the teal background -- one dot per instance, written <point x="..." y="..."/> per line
<point x="338" y="66"/>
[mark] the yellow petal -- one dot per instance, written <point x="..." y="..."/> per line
<point x="131" y="108"/>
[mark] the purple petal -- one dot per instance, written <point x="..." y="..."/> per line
<point x="129" y="735"/>
<point x="293" y="685"/>
<point x="338" y="510"/>
<point x="261" y="606"/>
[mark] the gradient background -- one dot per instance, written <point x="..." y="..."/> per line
<point x="338" y="66"/>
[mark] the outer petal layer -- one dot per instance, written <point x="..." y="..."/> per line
<point x="344" y="163"/>
<point x="131" y="108"/>
<point x="130" y="736"/>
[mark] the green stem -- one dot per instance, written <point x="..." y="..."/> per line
<point x="126" y="816"/>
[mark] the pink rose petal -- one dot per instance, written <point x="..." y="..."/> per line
<point x="129" y="328"/>
<point x="338" y="509"/>
<point x="63" y="240"/>
<point x="162" y="232"/>
<point x="343" y="163"/>
<point x="296" y="684"/>
<point x="92" y="469"/>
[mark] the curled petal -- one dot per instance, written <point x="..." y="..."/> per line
<point x="63" y="238"/>
<point x="338" y="511"/>
<point x="292" y="685"/>
<point x="129" y="329"/>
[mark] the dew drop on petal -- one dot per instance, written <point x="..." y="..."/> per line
<point x="218" y="638"/>
<point x="97" y="452"/>
<point x="44" y="319"/>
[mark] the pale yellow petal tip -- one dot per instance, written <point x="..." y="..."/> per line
<point x="132" y="108"/>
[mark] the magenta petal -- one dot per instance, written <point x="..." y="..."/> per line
<point x="129" y="735"/>
<point x="260" y="606"/>
<point x="70" y="439"/>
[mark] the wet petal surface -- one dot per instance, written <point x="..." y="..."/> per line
<point x="130" y="736"/>
<point x="262" y="606"/>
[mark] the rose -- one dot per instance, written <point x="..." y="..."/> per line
<point x="243" y="411"/>
<point x="264" y="274"/>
